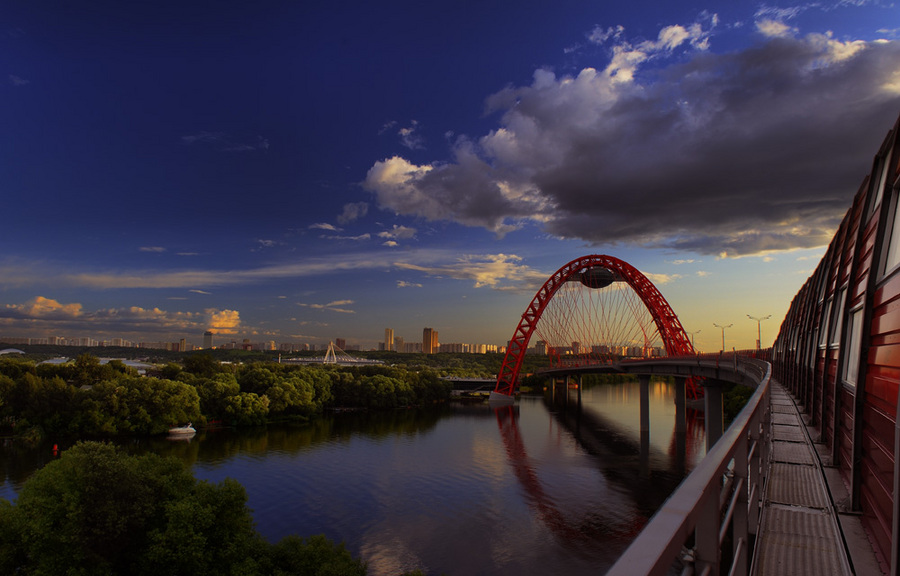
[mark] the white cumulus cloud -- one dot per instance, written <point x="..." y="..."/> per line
<point x="668" y="144"/>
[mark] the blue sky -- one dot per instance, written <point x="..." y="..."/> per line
<point x="304" y="171"/>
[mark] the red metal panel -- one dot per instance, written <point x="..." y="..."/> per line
<point x="887" y="292"/>
<point x="827" y="425"/>
<point x="882" y="389"/>
<point x="826" y="401"/>
<point x="878" y="447"/>
<point x="845" y="432"/>
<point x="884" y="339"/>
<point x="885" y="356"/>
<point x="886" y="320"/>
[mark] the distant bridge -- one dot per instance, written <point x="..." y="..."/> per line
<point x="333" y="355"/>
<point x="473" y="386"/>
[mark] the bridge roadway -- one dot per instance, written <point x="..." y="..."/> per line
<point x="800" y="529"/>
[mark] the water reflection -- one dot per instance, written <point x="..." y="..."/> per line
<point x="589" y="525"/>
<point x="462" y="489"/>
<point x="606" y="423"/>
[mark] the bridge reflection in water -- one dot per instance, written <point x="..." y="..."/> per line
<point x="607" y="427"/>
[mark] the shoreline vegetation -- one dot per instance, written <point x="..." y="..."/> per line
<point x="88" y="398"/>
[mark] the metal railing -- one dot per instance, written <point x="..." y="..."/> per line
<point x="720" y="501"/>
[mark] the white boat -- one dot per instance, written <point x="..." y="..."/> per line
<point x="183" y="430"/>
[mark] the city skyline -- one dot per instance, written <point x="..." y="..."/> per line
<point x="229" y="342"/>
<point x="303" y="172"/>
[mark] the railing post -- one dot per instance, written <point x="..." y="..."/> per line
<point x="754" y="483"/>
<point x="739" y="521"/>
<point x="766" y="435"/>
<point x="706" y="534"/>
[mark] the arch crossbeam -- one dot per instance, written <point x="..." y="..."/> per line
<point x="674" y="338"/>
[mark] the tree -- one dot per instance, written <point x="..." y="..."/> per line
<point x="11" y="550"/>
<point x="170" y="371"/>
<point x="214" y="392"/>
<point x="316" y="556"/>
<point x="138" y="405"/>
<point x="90" y="511"/>
<point x="52" y="403"/>
<point x="15" y="367"/>
<point x="207" y="531"/>
<point x="87" y="370"/>
<point x="292" y="396"/>
<point x="257" y="379"/>
<point x="202" y="365"/>
<point x="97" y="511"/>
<point x="247" y="408"/>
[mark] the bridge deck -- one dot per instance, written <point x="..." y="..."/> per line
<point x="801" y="532"/>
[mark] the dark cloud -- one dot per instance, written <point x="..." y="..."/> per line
<point x="736" y="153"/>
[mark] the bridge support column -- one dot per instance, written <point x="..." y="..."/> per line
<point x="645" y="425"/>
<point x="680" y="404"/>
<point x="579" y="393"/>
<point x="712" y="397"/>
<point x="680" y="423"/>
<point x="645" y="404"/>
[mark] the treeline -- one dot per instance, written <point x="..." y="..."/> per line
<point x="86" y="397"/>
<point x="449" y="363"/>
<point x="97" y="511"/>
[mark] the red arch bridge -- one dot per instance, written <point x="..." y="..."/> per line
<point x="591" y="315"/>
<point x="599" y="314"/>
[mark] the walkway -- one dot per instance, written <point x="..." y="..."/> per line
<point x="801" y="532"/>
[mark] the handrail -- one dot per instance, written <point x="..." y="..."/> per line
<point x="694" y="509"/>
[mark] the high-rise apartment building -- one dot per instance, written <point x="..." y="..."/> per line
<point x="340" y="343"/>
<point x="207" y="340"/>
<point x="429" y="341"/>
<point x="388" y="339"/>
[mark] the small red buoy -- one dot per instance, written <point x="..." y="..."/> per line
<point x="55" y="449"/>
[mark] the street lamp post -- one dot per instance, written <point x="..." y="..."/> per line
<point x="723" y="333"/>
<point x="758" y="328"/>
<point x="692" y="338"/>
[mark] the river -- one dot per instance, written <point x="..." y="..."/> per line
<point x="459" y="490"/>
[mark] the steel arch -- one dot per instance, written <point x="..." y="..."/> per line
<point x="670" y="329"/>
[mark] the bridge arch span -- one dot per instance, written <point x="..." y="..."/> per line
<point x="594" y="272"/>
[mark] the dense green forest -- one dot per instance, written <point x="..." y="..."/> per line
<point x="90" y="398"/>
